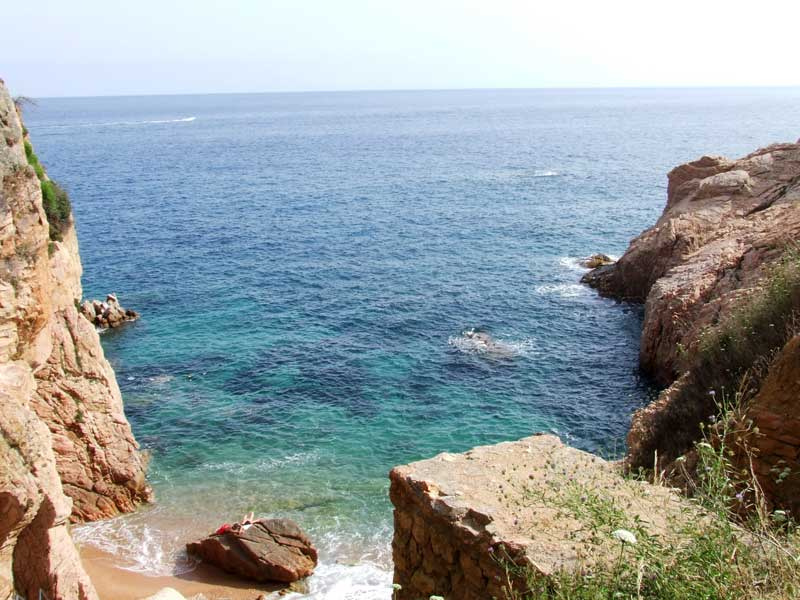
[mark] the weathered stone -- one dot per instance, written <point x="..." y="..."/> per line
<point x="510" y="503"/>
<point x="62" y="427"/>
<point x="267" y="550"/>
<point x="107" y="314"/>
<point x="778" y="404"/>
<point x="596" y="260"/>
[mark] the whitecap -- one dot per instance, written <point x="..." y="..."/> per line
<point x="545" y="173"/>
<point x="121" y="123"/>
<point x="572" y="263"/>
<point x="564" y="290"/>
<point x="184" y="120"/>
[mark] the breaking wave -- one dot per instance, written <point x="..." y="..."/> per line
<point x="565" y="290"/>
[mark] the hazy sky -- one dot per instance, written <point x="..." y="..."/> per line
<point x="99" y="47"/>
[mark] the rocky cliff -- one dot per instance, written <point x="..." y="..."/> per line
<point x="66" y="450"/>
<point x="719" y="249"/>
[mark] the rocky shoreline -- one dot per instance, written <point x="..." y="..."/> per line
<point x="727" y="228"/>
<point x="464" y="523"/>
<point x="719" y="276"/>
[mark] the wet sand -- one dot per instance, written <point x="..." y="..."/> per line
<point x="114" y="583"/>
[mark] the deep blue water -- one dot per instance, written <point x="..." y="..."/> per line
<point x="306" y="265"/>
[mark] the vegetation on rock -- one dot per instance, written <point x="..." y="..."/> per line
<point x="54" y="198"/>
<point x="740" y="551"/>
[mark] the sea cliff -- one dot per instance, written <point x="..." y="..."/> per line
<point x="718" y="276"/>
<point x="67" y="452"/>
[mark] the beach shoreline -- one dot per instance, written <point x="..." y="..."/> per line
<point x="116" y="583"/>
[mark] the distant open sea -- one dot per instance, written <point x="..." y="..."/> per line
<point x="306" y="266"/>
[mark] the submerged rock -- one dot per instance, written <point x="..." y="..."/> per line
<point x="107" y="314"/>
<point x="266" y="550"/>
<point x="482" y="342"/>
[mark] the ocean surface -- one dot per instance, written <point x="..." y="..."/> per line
<point x="307" y="266"/>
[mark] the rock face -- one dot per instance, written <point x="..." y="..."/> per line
<point x="726" y="223"/>
<point x="268" y="550"/>
<point x="461" y="519"/>
<point x="108" y="313"/>
<point x="36" y="552"/>
<point x="776" y="412"/>
<point x="67" y="451"/>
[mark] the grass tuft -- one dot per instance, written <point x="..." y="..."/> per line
<point x="724" y="555"/>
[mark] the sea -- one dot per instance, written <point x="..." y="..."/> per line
<point x="310" y="268"/>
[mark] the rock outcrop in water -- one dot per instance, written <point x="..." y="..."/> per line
<point x="467" y="526"/>
<point x="108" y="313"/>
<point x="266" y="550"/>
<point x="66" y="449"/>
<point x="727" y="227"/>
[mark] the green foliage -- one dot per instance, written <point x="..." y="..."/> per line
<point x="55" y="200"/>
<point x="33" y="160"/>
<point x="723" y="557"/>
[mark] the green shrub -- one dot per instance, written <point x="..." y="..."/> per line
<point x="54" y="198"/>
<point x="33" y="160"/>
<point x="57" y="207"/>
<point x="722" y="558"/>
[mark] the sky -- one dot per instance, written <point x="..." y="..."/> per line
<point x="102" y="47"/>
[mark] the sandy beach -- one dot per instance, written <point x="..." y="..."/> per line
<point x="115" y="583"/>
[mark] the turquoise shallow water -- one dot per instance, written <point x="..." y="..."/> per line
<point x="306" y="265"/>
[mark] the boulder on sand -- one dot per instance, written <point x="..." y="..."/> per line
<point x="266" y="550"/>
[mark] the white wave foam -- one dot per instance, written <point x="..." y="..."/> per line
<point x="185" y="120"/>
<point x="572" y="263"/>
<point x="365" y="581"/>
<point x="472" y="342"/>
<point x="351" y="567"/>
<point x="263" y="464"/>
<point x="160" y="379"/>
<point x="137" y="546"/>
<point x="565" y="290"/>
<point x="545" y="173"/>
<point x="123" y="123"/>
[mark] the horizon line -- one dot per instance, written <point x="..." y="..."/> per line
<point x="454" y="89"/>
